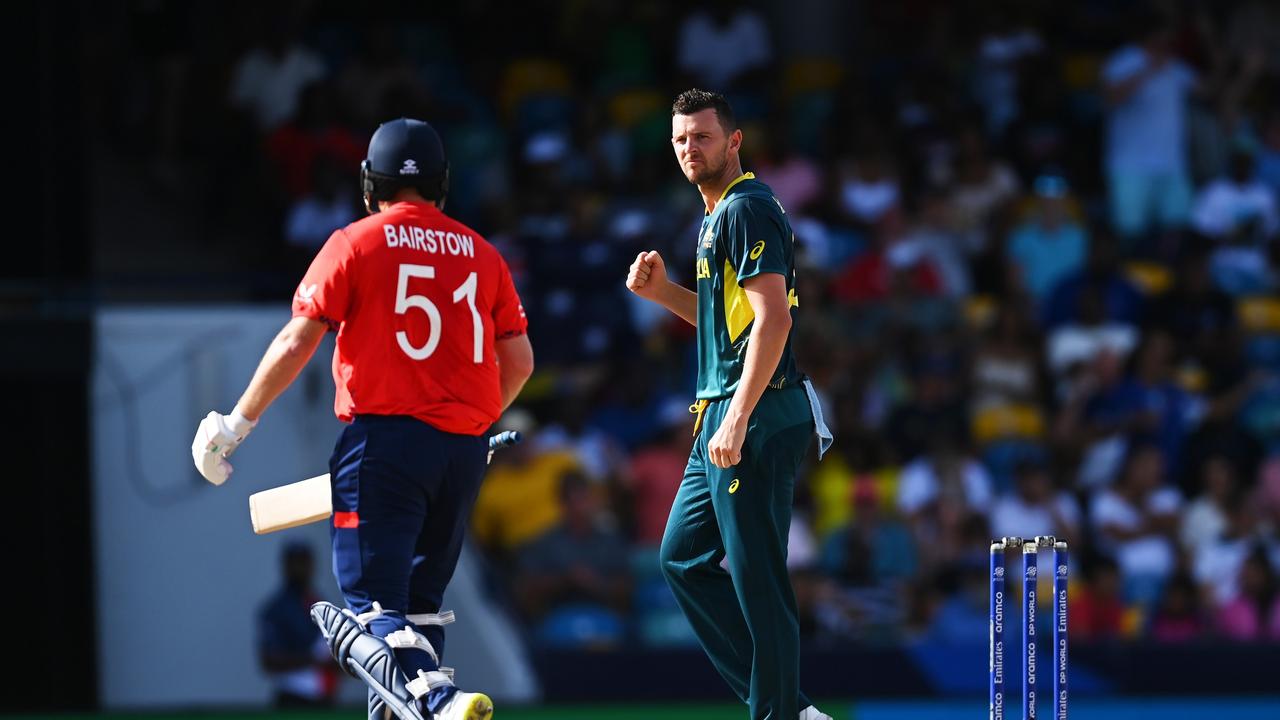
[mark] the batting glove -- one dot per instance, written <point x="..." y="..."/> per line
<point x="217" y="437"/>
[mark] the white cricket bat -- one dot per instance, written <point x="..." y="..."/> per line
<point x="291" y="505"/>
<point x="309" y="500"/>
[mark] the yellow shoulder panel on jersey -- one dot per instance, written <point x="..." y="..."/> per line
<point x="737" y="309"/>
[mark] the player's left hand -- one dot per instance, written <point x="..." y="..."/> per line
<point x="217" y="437"/>
<point x="725" y="446"/>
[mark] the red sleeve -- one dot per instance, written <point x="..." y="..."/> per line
<point x="508" y="313"/>
<point x="325" y="291"/>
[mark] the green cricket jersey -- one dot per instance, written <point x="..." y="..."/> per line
<point x="747" y="234"/>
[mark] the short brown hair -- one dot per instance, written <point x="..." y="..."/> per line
<point x="694" y="100"/>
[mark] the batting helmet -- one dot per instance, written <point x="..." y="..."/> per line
<point x="404" y="153"/>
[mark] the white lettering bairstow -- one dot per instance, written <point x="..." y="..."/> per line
<point x="431" y="241"/>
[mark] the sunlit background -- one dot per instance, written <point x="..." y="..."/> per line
<point x="1038" y="248"/>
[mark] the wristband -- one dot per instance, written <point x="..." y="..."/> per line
<point x="239" y="424"/>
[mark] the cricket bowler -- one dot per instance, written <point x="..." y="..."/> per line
<point x="755" y="415"/>
<point x="431" y="348"/>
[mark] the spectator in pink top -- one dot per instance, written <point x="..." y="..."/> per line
<point x="1254" y="614"/>
<point x="796" y="180"/>
<point x="1180" y="617"/>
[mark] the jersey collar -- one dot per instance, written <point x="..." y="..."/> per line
<point x="740" y="178"/>
<point x="424" y="204"/>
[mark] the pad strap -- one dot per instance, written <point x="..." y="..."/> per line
<point x="444" y="618"/>
<point x="365" y="618"/>
<point x="426" y="682"/>
<point x="408" y="638"/>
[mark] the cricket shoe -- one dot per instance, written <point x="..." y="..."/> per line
<point x="813" y="713"/>
<point x="466" y="706"/>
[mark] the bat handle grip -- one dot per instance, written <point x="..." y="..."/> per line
<point x="504" y="439"/>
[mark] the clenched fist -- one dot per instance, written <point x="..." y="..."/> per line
<point x="648" y="275"/>
<point x="217" y="437"/>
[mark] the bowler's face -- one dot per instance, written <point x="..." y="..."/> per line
<point x="701" y="145"/>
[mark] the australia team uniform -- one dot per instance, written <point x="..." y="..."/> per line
<point x="745" y="618"/>
<point x="418" y="301"/>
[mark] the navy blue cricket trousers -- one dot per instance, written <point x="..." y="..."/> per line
<point x="402" y="494"/>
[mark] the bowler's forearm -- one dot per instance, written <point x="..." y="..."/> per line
<point x="681" y="301"/>
<point x="764" y="350"/>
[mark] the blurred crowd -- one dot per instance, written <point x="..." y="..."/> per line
<point x="1039" y="249"/>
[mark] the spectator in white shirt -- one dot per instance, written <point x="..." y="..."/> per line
<point x="1205" y="518"/>
<point x="1239" y="211"/>
<point x="1081" y="343"/>
<point x="1216" y="564"/>
<point x="721" y="44"/>
<point x="1146" y="89"/>
<point x="985" y="187"/>
<point x="1237" y="205"/>
<point x="939" y="493"/>
<point x="269" y="79"/>
<point x="868" y="188"/>
<point x="1135" y="522"/>
<point x="1035" y="507"/>
<point x="329" y="206"/>
<point x="944" y="476"/>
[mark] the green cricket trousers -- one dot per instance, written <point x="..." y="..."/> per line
<point x="745" y="617"/>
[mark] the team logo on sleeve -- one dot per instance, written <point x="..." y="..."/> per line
<point x="757" y="250"/>
<point x="306" y="293"/>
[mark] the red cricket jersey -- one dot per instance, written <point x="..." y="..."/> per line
<point x="418" y="300"/>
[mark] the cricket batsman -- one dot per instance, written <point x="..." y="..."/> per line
<point x="755" y="414"/>
<point x="431" y="348"/>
